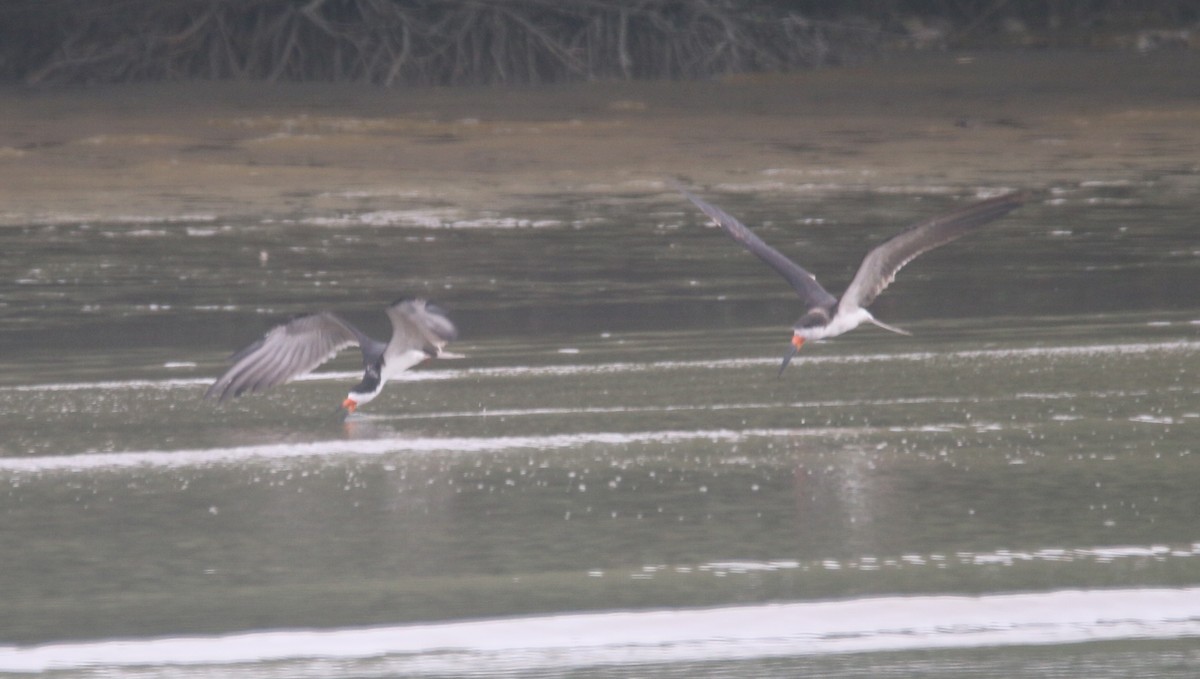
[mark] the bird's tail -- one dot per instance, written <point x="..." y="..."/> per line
<point x="885" y="326"/>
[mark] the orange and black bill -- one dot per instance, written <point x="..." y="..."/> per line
<point x="797" y="342"/>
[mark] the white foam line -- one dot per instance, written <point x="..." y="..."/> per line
<point x="734" y="363"/>
<point x="111" y="384"/>
<point x="51" y="218"/>
<point x="662" y="636"/>
<point x="799" y="405"/>
<point x="621" y="367"/>
<point x="370" y="447"/>
<point x="175" y="383"/>
<point x="1003" y="557"/>
<point x="595" y="410"/>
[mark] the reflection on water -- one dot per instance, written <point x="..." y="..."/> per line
<point x="616" y="440"/>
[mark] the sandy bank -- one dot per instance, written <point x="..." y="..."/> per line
<point x="221" y="150"/>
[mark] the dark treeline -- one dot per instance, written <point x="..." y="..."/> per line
<point x="444" y="42"/>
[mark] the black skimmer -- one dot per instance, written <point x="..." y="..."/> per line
<point x="419" y="331"/>
<point x="827" y="316"/>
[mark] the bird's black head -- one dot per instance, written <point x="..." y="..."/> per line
<point x="807" y="327"/>
<point x="363" y="392"/>
<point x="813" y="318"/>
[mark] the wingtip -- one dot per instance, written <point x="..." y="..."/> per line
<point x="1015" y="198"/>
<point x="401" y="300"/>
<point x="717" y="216"/>
<point x="1020" y="196"/>
<point x="675" y="183"/>
<point x="680" y="186"/>
<point x="222" y="392"/>
<point x="421" y="303"/>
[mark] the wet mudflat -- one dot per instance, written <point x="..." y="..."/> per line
<point x="614" y="472"/>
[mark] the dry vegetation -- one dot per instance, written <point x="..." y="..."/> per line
<point x="445" y="42"/>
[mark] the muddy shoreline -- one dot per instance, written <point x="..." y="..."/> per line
<point x="211" y="151"/>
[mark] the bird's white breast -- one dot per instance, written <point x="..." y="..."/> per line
<point x="398" y="363"/>
<point x="841" y="323"/>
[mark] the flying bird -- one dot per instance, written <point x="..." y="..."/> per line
<point x="420" y="331"/>
<point x="827" y="316"/>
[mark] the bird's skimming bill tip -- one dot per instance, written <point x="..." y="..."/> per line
<point x="797" y="342"/>
<point x="349" y="404"/>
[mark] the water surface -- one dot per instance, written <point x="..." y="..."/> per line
<point x="616" y="440"/>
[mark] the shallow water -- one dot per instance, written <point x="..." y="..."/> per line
<point x="615" y="440"/>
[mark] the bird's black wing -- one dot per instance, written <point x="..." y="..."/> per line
<point x="417" y="324"/>
<point x="286" y="352"/>
<point x="804" y="283"/>
<point x="879" y="267"/>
